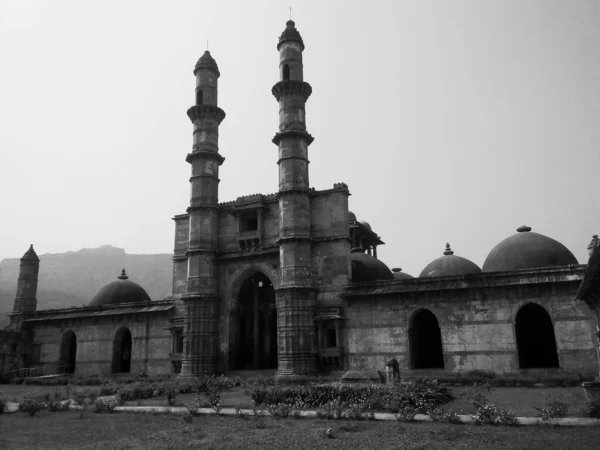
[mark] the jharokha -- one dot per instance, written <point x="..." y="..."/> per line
<point x="291" y="282"/>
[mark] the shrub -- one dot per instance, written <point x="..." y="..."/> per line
<point x="406" y="413"/>
<point x="439" y="415"/>
<point x="102" y="405"/>
<point x="30" y="406"/>
<point x="170" y="389"/>
<point x="490" y="414"/>
<point x="136" y="391"/>
<point x="2" y="405"/>
<point x="554" y="409"/>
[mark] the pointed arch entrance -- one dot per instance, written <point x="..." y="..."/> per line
<point x="253" y="325"/>
<point x="426" y="341"/>
<point x="68" y="352"/>
<point x="536" y="342"/>
<point x="121" y="362"/>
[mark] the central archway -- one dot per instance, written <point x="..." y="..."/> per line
<point x="68" y="352"/>
<point x="121" y="362"/>
<point x="254" y="325"/>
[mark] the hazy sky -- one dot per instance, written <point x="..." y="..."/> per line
<point x="450" y="121"/>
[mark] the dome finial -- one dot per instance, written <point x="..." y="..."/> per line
<point x="448" y="250"/>
<point x="524" y="229"/>
<point x="123" y="275"/>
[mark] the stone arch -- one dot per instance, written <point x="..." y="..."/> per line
<point x="68" y="352"/>
<point x="425" y="341"/>
<point x="122" y="349"/>
<point x="252" y="322"/>
<point x="535" y="337"/>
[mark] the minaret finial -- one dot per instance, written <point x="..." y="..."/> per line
<point x="207" y="44"/>
<point x="290" y="13"/>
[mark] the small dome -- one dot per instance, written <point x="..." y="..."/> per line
<point x="120" y="291"/>
<point x="527" y="250"/>
<point x="365" y="224"/>
<point x="449" y="265"/>
<point x="206" y="61"/>
<point x="290" y="34"/>
<point x="367" y="268"/>
<point x="399" y="275"/>
<point x="351" y="216"/>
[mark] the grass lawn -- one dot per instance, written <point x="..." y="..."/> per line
<point x="146" y="431"/>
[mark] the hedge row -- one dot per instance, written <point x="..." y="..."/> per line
<point x="415" y="393"/>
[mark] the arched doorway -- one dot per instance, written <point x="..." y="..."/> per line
<point x="426" y="341"/>
<point x="68" y="352"/>
<point x="536" y="342"/>
<point x="254" y="325"/>
<point x="121" y="362"/>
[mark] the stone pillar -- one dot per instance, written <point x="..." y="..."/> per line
<point x="295" y="295"/>
<point x="201" y="298"/>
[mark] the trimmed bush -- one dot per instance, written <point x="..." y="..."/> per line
<point x="102" y="405"/>
<point x="30" y="406"/>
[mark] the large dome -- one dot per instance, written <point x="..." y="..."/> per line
<point x="120" y="291"/>
<point x="527" y="250"/>
<point x="367" y="268"/>
<point x="448" y="265"/>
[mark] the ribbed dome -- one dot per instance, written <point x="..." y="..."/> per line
<point x="399" y="275"/>
<point x="449" y="265"/>
<point x="365" y="224"/>
<point x="206" y="61"/>
<point x="351" y="216"/>
<point x="290" y="34"/>
<point x="527" y="250"/>
<point x="367" y="268"/>
<point x="120" y="291"/>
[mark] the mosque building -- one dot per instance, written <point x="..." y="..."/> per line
<point x="291" y="282"/>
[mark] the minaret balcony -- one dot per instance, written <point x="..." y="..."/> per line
<point x="286" y="88"/>
<point x="205" y="111"/>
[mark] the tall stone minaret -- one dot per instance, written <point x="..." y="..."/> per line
<point x="25" y="300"/>
<point x="295" y="296"/>
<point x="201" y="298"/>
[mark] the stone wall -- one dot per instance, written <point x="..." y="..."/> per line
<point x="151" y="343"/>
<point x="477" y="326"/>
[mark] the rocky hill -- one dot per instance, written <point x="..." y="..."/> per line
<point x="73" y="278"/>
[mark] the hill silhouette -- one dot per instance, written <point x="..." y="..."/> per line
<point x="73" y="278"/>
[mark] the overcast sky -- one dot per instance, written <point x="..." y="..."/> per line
<point x="450" y="121"/>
